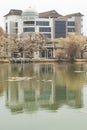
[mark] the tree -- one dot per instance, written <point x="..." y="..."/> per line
<point x="3" y="33"/>
<point x="71" y="46"/>
<point x="4" y="43"/>
<point x="31" y="42"/>
<point x="84" y="47"/>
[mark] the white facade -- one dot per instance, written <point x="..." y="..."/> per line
<point x="28" y="21"/>
<point x="10" y="22"/>
<point x="54" y="25"/>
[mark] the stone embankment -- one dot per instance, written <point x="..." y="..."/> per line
<point x="4" y="61"/>
<point x="28" y="60"/>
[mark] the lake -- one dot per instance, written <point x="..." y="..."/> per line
<point x="43" y="96"/>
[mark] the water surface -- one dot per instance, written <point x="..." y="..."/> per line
<point x="43" y="96"/>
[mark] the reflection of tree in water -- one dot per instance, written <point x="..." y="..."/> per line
<point x="66" y="75"/>
<point x="3" y="77"/>
<point x="1" y="89"/>
<point x="72" y="81"/>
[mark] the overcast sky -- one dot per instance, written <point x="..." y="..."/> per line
<point x="61" y="6"/>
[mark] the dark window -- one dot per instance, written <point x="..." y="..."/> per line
<point x="42" y="23"/>
<point x="28" y="22"/>
<point x="6" y="27"/>
<point x="70" y="23"/>
<point x="60" y="29"/>
<point x="71" y="29"/>
<point x="16" y="30"/>
<point x="44" y="29"/>
<point x="16" y="24"/>
<point x="28" y="29"/>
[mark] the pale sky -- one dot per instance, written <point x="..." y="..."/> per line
<point x="63" y="7"/>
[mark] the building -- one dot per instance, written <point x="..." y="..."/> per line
<point x="75" y="23"/>
<point x="50" y="23"/>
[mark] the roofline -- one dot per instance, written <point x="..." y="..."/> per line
<point x="46" y="13"/>
<point x="13" y="14"/>
<point x="75" y="14"/>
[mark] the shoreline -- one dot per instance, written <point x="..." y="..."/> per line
<point x="27" y="60"/>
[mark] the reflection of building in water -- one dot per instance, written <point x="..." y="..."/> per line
<point x="43" y="68"/>
<point x="22" y="96"/>
<point x="31" y="69"/>
<point x="74" y="98"/>
<point x="29" y="98"/>
<point x="43" y="91"/>
<point x="68" y="96"/>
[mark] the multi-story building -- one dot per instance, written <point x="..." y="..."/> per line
<point x="75" y="23"/>
<point x="50" y="23"/>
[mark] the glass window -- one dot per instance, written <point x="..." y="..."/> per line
<point x="60" y="29"/>
<point x="71" y="29"/>
<point x="16" y="24"/>
<point x="28" y="22"/>
<point x="29" y="29"/>
<point x="6" y="27"/>
<point x="16" y="30"/>
<point x="42" y="23"/>
<point x="70" y="23"/>
<point x="44" y="29"/>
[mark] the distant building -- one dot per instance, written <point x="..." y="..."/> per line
<point x="75" y="23"/>
<point x="50" y="23"/>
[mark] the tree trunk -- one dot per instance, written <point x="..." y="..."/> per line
<point x="81" y="55"/>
